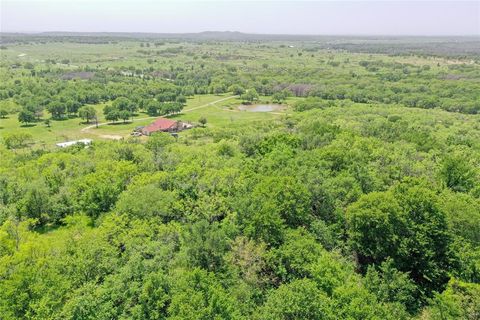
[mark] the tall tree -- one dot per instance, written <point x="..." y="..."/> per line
<point x="26" y="117"/>
<point x="87" y="113"/>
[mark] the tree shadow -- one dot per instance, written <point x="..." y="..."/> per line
<point x="28" y="125"/>
<point x="84" y="122"/>
<point x="170" y="116"/>
<point x="119" y="123"/>
<point x="60" y="119"/>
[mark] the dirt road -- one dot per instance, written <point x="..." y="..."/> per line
<point x="117" y="137"/>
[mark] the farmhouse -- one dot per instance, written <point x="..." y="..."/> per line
<point x="164" y="125"/>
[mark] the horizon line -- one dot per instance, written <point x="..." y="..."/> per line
<point x="244" y="33"/>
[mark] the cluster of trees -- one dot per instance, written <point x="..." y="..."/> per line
<point x="32" y="97"/>
<point x="368" y="79"/>
<point x="349" y="212"/>
<point x="17" y="140"/>
<point x="352" y="207"/>
<point x="7" y="108"/>
<point x="165" y="103"/>
<point x="249" y="96"/>
<point x="195" y="69"/>
<point x="156" y="108"/>
<point x="312" y="103"/>
<point x="121" y="108"/>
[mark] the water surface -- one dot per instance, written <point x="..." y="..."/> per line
<point x="261" y="107"/>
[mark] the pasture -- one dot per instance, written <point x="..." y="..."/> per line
<point x="218" y="114"/>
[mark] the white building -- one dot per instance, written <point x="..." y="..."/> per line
<point x="72" y="143"/>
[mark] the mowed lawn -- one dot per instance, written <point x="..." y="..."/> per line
<point x="218" y="114"/>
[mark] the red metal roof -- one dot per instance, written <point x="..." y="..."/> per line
<point x="160" y="124"/>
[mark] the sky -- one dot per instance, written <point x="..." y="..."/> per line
<point x="334" y="17"/>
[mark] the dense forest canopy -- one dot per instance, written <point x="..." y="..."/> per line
<point x="359" y="198"/>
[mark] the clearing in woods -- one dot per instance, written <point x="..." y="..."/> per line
<point x="215" y="108"/>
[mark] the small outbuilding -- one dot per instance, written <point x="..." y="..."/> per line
<point x="66" y="144"/>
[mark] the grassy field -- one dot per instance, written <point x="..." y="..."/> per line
<point x="266" y="65"/>
<point x="59" y="130"/>
<point x="218" y="114"/>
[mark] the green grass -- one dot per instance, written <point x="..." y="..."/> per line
<point x="225" y="113"/>
<point x="59" y="130"/>
<point x="220" y="114"/>
<point x="272" y="61"/>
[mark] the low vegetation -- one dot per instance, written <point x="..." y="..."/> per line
<point x="359" y="200"/>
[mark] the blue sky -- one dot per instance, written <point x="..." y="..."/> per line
<point x="386" y="17"/>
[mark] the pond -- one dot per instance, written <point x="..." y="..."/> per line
<point x="261" y="107"/>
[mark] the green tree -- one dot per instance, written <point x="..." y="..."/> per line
<point x="373" y="224"/>
<point x="8" y="107"/>
<point x="3" y="112"/>
<point x="407" y="225"/>
<point x="218" y="89"/>
<point x="35" y="202"/>
<point x="87" y="113"/>
<point x="249" y="96"/>
<point x="148" y="202"/>
<point x="26" y="117"/>
<point x="457" y="173"/>
<point x="157" y="144"/>
<point x="181" y="99"/>
<point x="98" y="192"/>
<point x="459" y="301"/>
<point x="188" y="91"/>
<point x="72" y="106"/>
<point x="111" y="113"/>
<point x="391" y="285"/>
<point x="202" y="121"/>
<point x="205" y="245"/>
<point x="16" y="140"/>
<point x="197" y="295"/>
<point x="236" y="89"/>
<point x="463" y="215"/>
<point x="300" y="299"/>
<point x="124" y="104"/>
<point x="293" y="258"/>
<point x="57" y="109"/>
<point x="280" y="96"/>
<point x="124" y="115"/>
<point x="274" y="204"/>
<point x="153" y="108"/>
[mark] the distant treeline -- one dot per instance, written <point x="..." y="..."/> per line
<point x="465" y="46"/>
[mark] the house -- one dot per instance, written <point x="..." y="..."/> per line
<point x="85" y="142"/>
<point x="162" y="124"/>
